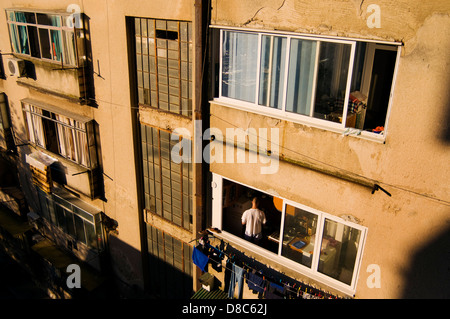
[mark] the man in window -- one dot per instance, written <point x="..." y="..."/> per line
<point x="253" y="218"/>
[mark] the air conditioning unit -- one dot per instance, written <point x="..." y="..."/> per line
<point x="16" y="67"/>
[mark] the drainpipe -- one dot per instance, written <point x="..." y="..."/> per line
<point x="197" y="138"/>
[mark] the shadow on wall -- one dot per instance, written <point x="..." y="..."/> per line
<point x="446" y="129"/>
<point x="429" y="275"/>
<point x="445" y="134"/>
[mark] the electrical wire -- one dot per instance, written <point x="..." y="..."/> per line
<point x="447" y="203"/>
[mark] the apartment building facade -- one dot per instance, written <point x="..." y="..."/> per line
<point x="90" y="94"/>
<point x="334" y="115"/>
<point x="135" y="126"/>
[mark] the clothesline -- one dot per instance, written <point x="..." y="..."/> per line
<point x="287" y="287"/>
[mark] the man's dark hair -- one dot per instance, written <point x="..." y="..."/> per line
<point x="256" y="200"/>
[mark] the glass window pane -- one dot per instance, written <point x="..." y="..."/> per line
<point x="300" y="85"/>
<point x="21" y="16"/>
<point x="49" y="19"/>
<point x="91" y="237"/>
<point x="79" y="228"/>
<point x="23" y="39"/>
<point x="45" y="43"/>
<point x="239" y="65"/>
<point x="10" y="15"/>
<point x="70" y="224"/>
<point x="137" y="26"/>
<point x="14" y="39"/>
<point x="60" y="219"/>
<point x="273" y="57"/>
<point x="55" y="37"/>
<point x="299" y="235"/>
<point x="331" y="82"/>
<point x="69" y="48"/>
<point x="340" y="245"/>
<point x="34" y="41"/>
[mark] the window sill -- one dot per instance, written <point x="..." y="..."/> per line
<point x="45" y="62"/>
<point x="312" y="122"/>
<point x="283" y="262"/>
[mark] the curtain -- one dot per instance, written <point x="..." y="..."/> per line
<point x="66" y="138"/>
<point x="56" y="44"/>
<point x="73" y="140"/>
<point x="69" y="48"/>
<point x="39" y="135"/>
<point x="23" y="35"/>
<point x="14" y="40"/>
<point x="82" y="144"/>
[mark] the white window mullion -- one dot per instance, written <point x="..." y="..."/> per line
<point x="314" y="84"/>
<point x="217" y="194"/>
<point x="220" y="61"/>
<point x="258" y="69"/>
<point x="358" y="258"/>
<point x="349" y="82"/>
<point x="283" y="216"/>
<point x="318" y="245"/>
<point x="286" y="71"/>
<point x="269" y="75"/>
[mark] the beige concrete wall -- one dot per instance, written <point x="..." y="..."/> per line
<point x="413" y="160"/>
<point x="113" y="114"/>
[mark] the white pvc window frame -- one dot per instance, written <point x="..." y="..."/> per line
<point x="295" y="117"/>
<point x="311" y="272"/>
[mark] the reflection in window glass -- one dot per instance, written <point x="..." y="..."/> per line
<point x="167" y="185"/>
<point x="91" y="237"/>
<point x="239" y="65"/>
<point x="60" y="218"/>
<point x="302" y="59"/>
<point x="271" y="83"/>
<point x="340" y="245"/>
<point x="299" y="235"/>
<point x="79" y="228"/>
<point x="332" y="76"/>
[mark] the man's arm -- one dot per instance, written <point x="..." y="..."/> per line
<point x="244" y="218"/>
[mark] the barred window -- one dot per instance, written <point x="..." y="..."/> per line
<point x="167" y="185"/>
<point x="170" y="266"/>
<point x="164" y="64"/>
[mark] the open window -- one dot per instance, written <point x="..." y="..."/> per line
<point x="372" y="81"/>
<point x="333" y="83"/>
<point x="68" y="135"/>
<point x="49" y="36"/>
<point x="237" y="198"/>
<point x="319" y="245"/>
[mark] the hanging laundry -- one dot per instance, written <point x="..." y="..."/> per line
<point x="199" y="259"/>
<point x="215" y="258"/>
<point x="274" y="291"/>
<point x="227" y="274"/>
<point x="255" y="282"/>
<point x="237" y="275"/>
